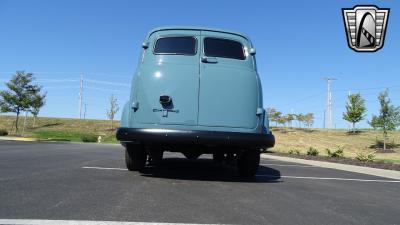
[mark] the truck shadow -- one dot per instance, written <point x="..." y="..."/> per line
<point x="206" y="170"/>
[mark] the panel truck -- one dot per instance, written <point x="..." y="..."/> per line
<point x="196" y="91"/>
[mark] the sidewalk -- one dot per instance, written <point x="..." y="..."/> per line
<point x="338" y="166"/>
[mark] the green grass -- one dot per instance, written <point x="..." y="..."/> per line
<point x="61" y="128"/>
<point x="320" y="139"/>
<point x="396" y="161"/>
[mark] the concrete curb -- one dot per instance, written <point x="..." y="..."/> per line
<point x="392" y="174"/>
<point x="7" y="138"/>
<point x="4" y="138"/>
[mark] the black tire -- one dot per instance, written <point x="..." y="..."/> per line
<point x="248" y="163"/>
<point x="218" y="158"/>
<point x="135" y="157"/>
<point x="191" y="155"/>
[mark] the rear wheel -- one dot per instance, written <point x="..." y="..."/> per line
<point x="135" y="157"/>
<point x="248" y="162"/>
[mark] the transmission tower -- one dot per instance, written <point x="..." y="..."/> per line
<point x="329" y="122"/>
<point x="81" y="97"/>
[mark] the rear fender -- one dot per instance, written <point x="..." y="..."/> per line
<point x="125" y="117"/>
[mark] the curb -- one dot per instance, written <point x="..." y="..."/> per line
<point x="3" y="138"/>
<point x="17" y="139"/>
<point x="392" y="174"/>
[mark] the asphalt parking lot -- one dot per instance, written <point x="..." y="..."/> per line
<point x="65" y="181"/>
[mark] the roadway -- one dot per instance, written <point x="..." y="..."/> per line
<point x="89" y="182"/>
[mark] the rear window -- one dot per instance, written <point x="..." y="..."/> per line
<point x="175" y="46"/>
<point x="224" y="48"/>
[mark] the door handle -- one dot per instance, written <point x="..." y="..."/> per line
<point x="206" y="59"/>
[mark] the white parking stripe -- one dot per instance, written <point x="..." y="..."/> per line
<point x="391" y="174"/>
<point x="330" y="178"/>
<point x="272" y="176"/>
<point x="272" y="164"/>
<point x="76" y="222"/>
<point x="102" y="168"/>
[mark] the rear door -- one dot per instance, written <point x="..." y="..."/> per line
<point x="228" y="93"/>
<point x="169" y="72"/>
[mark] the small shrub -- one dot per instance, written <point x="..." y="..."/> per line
<point x="89" y="138"/>
<point x="337" y="153"/>
<point x="3" y="132"/>
<point x="294" y="151"/>
<point x="312" y="151"/>
<point x="365" y="157"/>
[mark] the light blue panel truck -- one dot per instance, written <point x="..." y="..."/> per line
<point x="196" y="91"/>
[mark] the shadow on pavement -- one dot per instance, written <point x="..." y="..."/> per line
<point x="206" y="170"/>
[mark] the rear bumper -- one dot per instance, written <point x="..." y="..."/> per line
<point x="196" y="138"/>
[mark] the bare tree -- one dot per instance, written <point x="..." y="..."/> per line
<point x="113" y="110"/>
<point x="38" y="102"/>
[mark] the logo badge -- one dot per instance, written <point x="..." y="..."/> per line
<point x="365" y="27"/>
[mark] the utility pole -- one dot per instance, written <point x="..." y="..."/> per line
<point x="329" y="101"/>
<point x="84" y="112"/>
<point x="81" y="97"/>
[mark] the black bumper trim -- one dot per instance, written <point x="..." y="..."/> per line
<point x="194" y="137"/>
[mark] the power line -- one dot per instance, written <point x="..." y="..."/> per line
<point x="106" y="82"/>
<point x="105" y="89"/>
<point x="56" y="80"/>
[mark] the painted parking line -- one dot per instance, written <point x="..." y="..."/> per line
<point x="329" y="178"/>
<point x="102" y="168"/>
<point x="272" y="176"/>
<point x="289" y="165"/>
<point x="77" y="222"/>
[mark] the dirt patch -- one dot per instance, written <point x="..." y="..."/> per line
<point x="375" y="164"/>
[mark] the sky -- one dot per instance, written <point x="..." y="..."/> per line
<point x="298" y="43"/>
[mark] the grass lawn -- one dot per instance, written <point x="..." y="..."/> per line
<point x="286" y="140"/>
<point x="303" y="139"/>
<point x="62" y="128"/>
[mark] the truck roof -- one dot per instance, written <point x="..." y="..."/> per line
<point x="197" y="28"/>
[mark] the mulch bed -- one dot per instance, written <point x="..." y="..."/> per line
<point x="375" y="164"/>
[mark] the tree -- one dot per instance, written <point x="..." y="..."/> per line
<point x="38" y="102"/>
<point x="308" y="119"/>
<point x="113" y="110"/>
<point x="274" y="115"/>
<point x="300" y="118"/>
<point x="388" y="118"/>
<point x="355" y="109"/>
<point x="289" y="118"/>
<point x="271" y="112"/>
<point x="282" y="120"/>
<point x="19" y="97"/>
